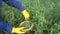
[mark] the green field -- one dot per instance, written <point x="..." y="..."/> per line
<point x="45" y="14"/>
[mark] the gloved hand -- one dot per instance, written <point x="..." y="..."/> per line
<point x="18" y="30"/>
<point x="26" y="14"/>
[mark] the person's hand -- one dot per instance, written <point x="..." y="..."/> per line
<point x="26" y="14"/>
<point x="18" y="30"/>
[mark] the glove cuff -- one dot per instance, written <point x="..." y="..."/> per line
<point x="24" y="11"/>
<point x="13" y="30"/>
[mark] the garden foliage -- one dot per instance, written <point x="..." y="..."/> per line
<point x="45" y="14"/>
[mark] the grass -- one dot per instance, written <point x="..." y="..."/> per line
<point x="45" y="14"/>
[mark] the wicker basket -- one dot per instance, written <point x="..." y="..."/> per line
<point x="28" y="29"/>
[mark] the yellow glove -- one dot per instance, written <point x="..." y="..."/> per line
<point x="18" y="30"/>
<point x="25" y="14"/>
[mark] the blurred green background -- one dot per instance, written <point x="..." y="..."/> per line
<point x="45" y="14"/>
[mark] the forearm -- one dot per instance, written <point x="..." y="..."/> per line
<point x="14" y="3"/>
<point x="0" y="3"/>
<point x="5" y="26"/>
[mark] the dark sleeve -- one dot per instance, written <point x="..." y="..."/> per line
<point x="15" y="3"/>
<point x="5" y="26"/>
